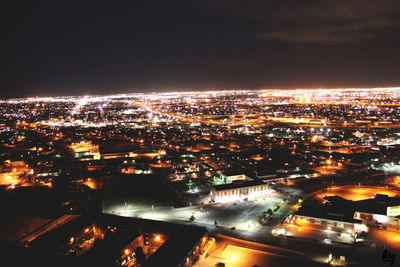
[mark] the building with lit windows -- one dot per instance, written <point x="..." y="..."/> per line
<point x="239" y="191"/>
<point x="85" y="150"/>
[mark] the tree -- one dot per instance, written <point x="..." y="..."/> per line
<point x="192" y="218"/>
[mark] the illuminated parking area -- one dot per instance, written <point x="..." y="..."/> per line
<point x="392" y="167"/>
<point x="389" y="238"/>
<point x="356" y="192"/>
<point x="239" y="256"/>
<point x="238" y="253"/>
<point x="240" y="215"/>
<point x="393" y="181"/>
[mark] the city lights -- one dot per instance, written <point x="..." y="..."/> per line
<point x="281" y="162"/>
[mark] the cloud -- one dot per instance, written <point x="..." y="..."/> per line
<point x="331" y="34"/>
<point x="326" y="38"/>
<point x="312" y="21"/>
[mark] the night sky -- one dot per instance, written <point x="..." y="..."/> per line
<point x="102" y="47"/>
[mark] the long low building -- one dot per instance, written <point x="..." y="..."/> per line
<point x="239" y="191"/>
<point x="329" y="222"/>
<point x="352" y="217"/>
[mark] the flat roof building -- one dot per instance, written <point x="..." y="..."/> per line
<point x="109" y="240"/>
<point x="239" y="190"/>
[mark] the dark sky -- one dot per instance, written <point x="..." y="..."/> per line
<point x="87" y="47"/>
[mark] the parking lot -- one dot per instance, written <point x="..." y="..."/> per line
<point x="240" y="215"/>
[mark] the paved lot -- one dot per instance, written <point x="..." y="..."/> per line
<point x="228" y="213"/>
<point x="240" y="214"/>
<point x="238" y="253"/>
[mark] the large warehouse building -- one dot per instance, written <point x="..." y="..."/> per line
<point x="239" y="191"/>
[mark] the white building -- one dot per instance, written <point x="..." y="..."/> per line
<point x="239" y="191"/>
